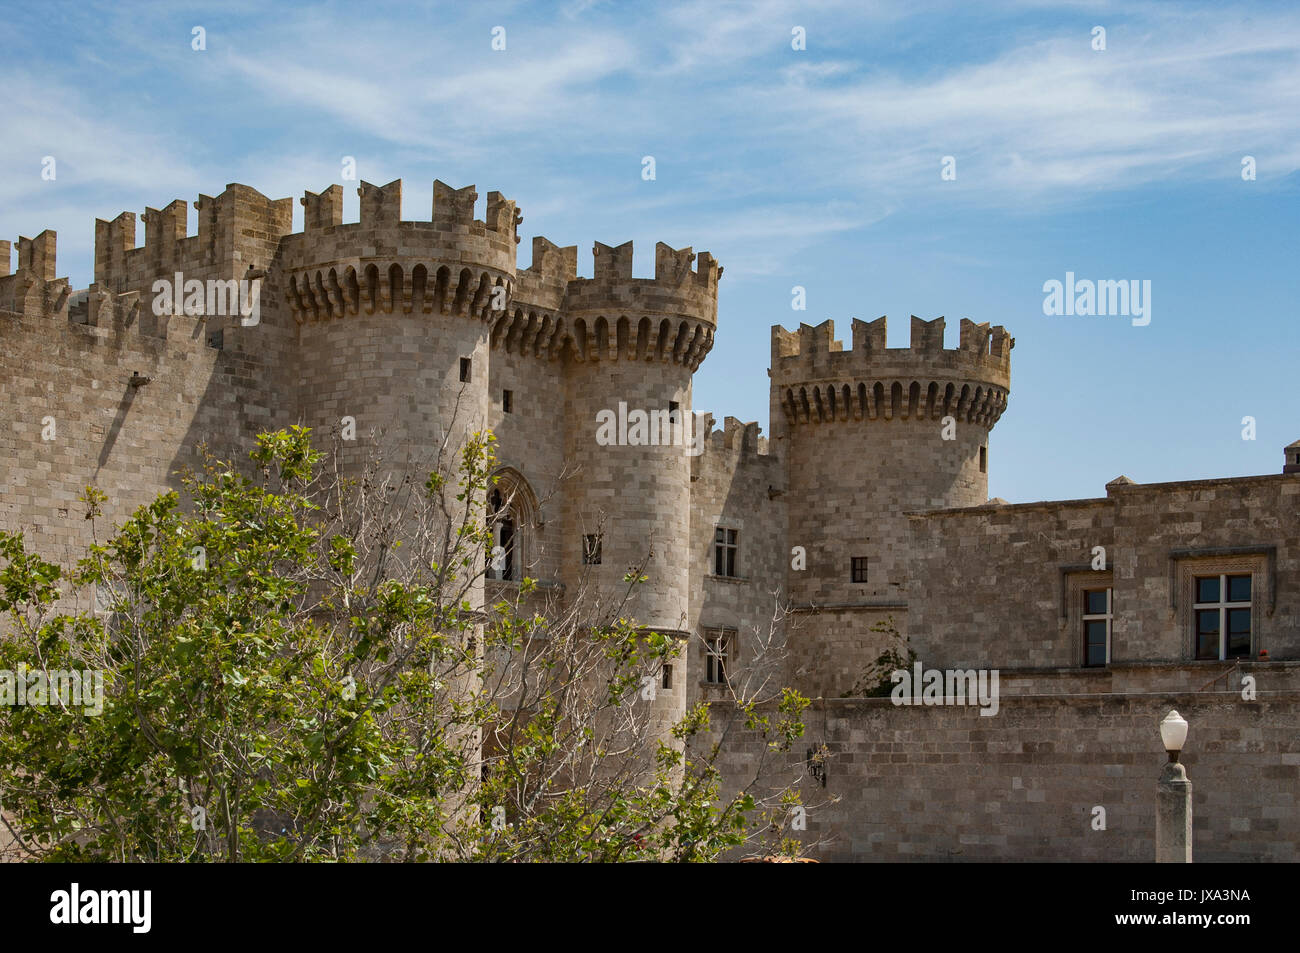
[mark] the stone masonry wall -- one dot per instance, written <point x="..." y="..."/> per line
<point x="986" y="582"/>
<point x="128" y="441"/>
<point x="947" y="784"/>
<point x="738" y="485"/>
<point x="1208" y="525"/>
<point x="998" y="586"/>
<point x="530" y="439"/>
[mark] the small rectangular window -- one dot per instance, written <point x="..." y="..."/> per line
<point x="591" y="549"/>
<point x="1097" y="618"/>
<point x="668" y="678"/>
<point x="465" y="365"/>
<point x="507" y="401"/>
<point x="216" y="339"/>
<point x="724" y="552"/>
<point x="984" y="459"/>
<point x="859" y="568"/>
<point x="717" y="655"/>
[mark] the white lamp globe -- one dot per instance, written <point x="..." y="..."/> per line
<point x="1173" y="731"/>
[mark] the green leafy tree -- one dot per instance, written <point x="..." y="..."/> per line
<point x="301" y="666"/>
<point x="877" y="680"/>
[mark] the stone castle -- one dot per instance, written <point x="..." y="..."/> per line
<point x="866" y="504"/>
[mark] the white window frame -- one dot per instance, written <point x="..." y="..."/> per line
<point x="1108" y="617"/>
<point x="1223" y="605"/>
<point x="730" y="541"/>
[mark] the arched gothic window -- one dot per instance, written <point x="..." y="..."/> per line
<point x="501" y="519"/>
<point x="512" y="510"/>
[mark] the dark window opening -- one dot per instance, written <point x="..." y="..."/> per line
<point x="507" y="401"/>
<point x="501" y="560"/>
<point x="216" y="339"/>
<point x="984" y="459"/>
<point x="1097" y="617"/>
<point x="717" y="656"/>
<point x="724" y="552"/>
<point x="591" y="549"/>
<point x="465" y="365"/>
<point x="1221" y="617"/>
<point x="668" y="678"/>
<point x="859" y="568"/>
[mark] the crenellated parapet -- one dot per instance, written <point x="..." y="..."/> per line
<point x="532" y="323"/>
<point x="670" y="318"/>
<point x="452" y="264"/>
<point x="818" y="381"/>
<point x="448" y="264"/>
<point x="238" y="232"/>
<point x="33" y="290"/>
<point x="42" y="301"/>
<point x="541" y="286"/>
<point x="736" y="436"/>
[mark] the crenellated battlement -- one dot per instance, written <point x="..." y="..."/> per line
<point x="38" y="255"/>
<point x="613" y="316"/>
<point x="451" y="264"/>
<point x="735" y="436"/>
<point x="819" y="381"/>
<point x="33" y="290"/>
<point x="813" y="343"/>
<point x="669" y="318"/>
<point x="733" y="462"/>
<point x="677" y="288"/>
<point x="541" y="286"/>
<point x="241" y="231"/>
<point x="238" y="231"/>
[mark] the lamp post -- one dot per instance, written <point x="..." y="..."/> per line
<point x="1173" y="797"/>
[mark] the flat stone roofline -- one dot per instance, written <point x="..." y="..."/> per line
<point x="1114" y="489"/>
<point x="984" y="509"/>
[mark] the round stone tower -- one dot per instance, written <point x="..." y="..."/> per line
<point x="634" y="345"/>
<point x="872" y="433"/>
<point x="393" y="316"/>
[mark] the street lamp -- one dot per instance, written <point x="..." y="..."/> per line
<point x="1173" y="732"/>
<point x="1173" y="797"/>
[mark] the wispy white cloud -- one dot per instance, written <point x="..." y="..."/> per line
<point x="464" y="106"/>
<point x="1053" y="115"/>
<point x="799" y="145"/>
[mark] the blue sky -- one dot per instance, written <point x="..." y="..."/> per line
<point x="819" y="168"/>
